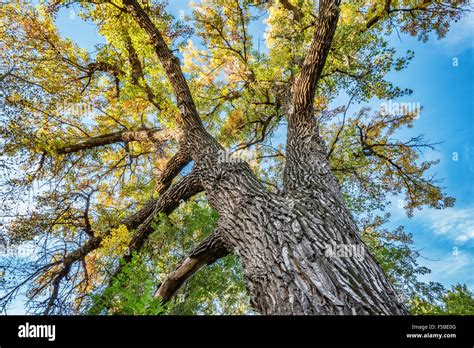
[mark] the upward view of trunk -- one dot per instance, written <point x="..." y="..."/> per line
<point x="300" y="256"/>
<point x="100" y="151"/>
<point x="283" y="240"/>
<point x="300" y="251"/>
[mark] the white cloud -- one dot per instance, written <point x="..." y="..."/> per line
<point x="459" y="37"/>
<point x="456" y="224"/>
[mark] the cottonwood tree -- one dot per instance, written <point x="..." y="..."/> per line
<point x="101" y="150"/>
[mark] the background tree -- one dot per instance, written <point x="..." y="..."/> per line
<point x="118" y="163"/>
<point x="459" y="300"/>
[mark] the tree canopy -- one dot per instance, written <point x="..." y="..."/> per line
<point x="95" y="166"/>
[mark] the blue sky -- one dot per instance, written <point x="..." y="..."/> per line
<point x="445" y="237"/>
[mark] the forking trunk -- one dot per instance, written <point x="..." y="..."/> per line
<point x="299" y="256"/>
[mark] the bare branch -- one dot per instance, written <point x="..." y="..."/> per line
<point x="169" y="199"/>
<point x="336" y="139"/>
<point x="6" y="74"/>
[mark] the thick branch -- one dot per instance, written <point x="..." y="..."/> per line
<point x="152" y="135"/>
<point x="305" y="83"/>
<point x="189" y="118"/>
<point x="104" y="67"/>
<point x="208" y="251"/>
<point x="304" y="149"/>
<point x="137" y="70"/>
<point x="170" y="64"/>
<point x="182" y="191"/>
<point x="170" y="200"/>
<point x="186" y="188"/>
<point x="173" y="167"/>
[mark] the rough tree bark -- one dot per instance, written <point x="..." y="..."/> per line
<point x="282" y="240"/>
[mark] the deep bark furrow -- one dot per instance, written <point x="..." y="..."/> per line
<point x="282" y="249"/>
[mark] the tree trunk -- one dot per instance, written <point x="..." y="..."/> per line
<point x="299" y="257"/>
